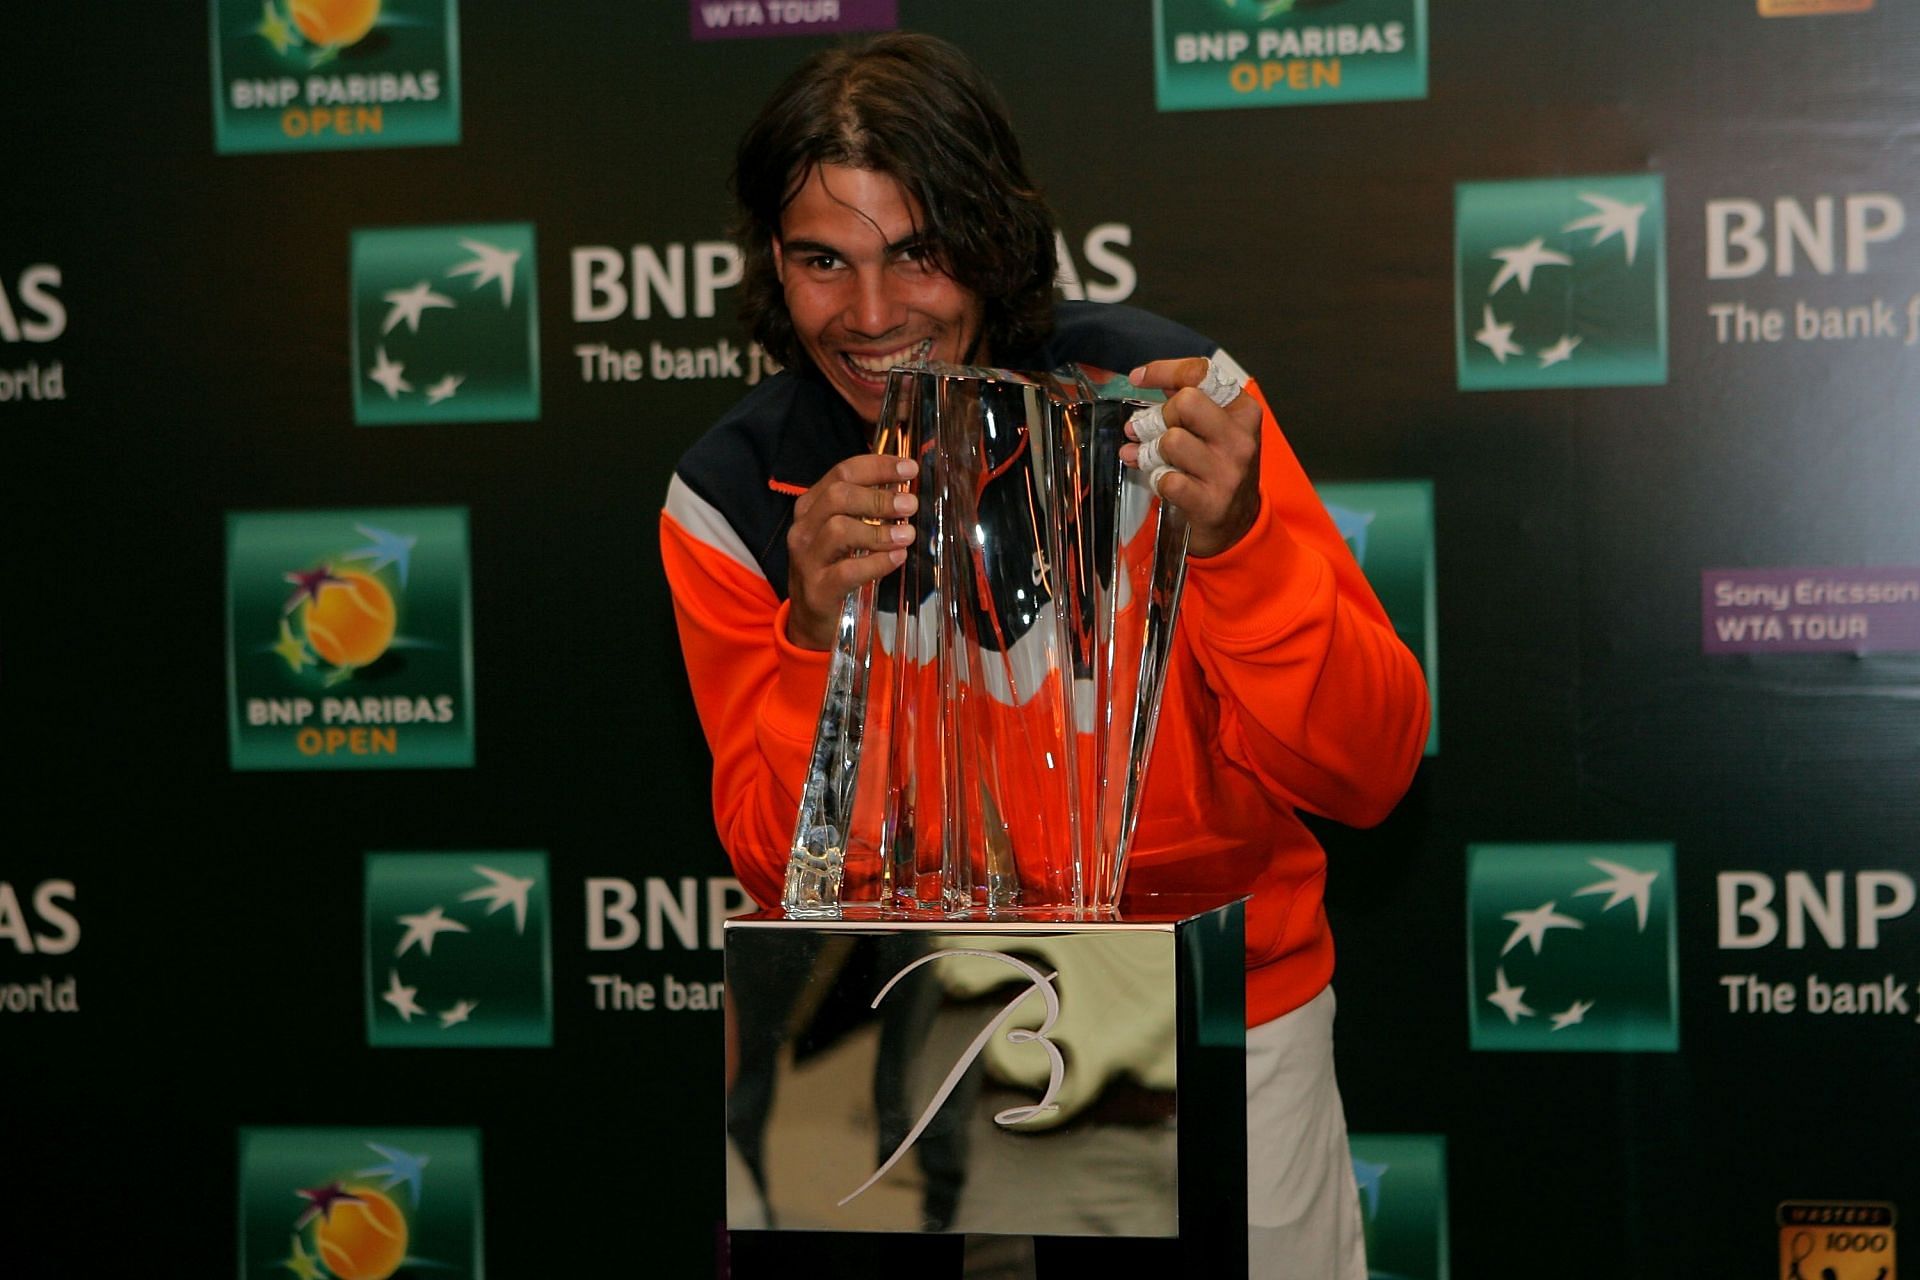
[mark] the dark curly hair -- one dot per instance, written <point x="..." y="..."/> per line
<point x="914" y="108"/>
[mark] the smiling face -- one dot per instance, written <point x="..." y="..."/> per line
<point x="861" y="286"/>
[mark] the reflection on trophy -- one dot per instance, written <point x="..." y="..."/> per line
<point x="991" y="704"/>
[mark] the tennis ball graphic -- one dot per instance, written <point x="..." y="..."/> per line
<point x="351" y="622"/>
<point x="363" y="1239"/>
<point x="335" y="22"/>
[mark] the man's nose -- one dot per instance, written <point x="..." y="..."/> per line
<point x="874" y="309"/>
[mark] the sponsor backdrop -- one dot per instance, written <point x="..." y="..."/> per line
<point x="359" y="902"/>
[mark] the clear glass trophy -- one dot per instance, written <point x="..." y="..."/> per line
<point x="991" y="704"/>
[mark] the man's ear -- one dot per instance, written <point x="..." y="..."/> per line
<point x="779" y="262"/>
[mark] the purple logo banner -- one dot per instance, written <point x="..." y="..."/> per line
<point x="734" y="19"/>
<point x="1850" y="610"/>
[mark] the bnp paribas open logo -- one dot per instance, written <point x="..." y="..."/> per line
<point x="349" y="642"/>
<point x="360" y="1204"/>
<point x="1571" y="947"/>
<point x="1280" y="53"/>
<point x="458" y="951"/>
<point x="1403" y="1202"/>
<point x="1560" y="282"/>
<point x="1388" y="525"/>
<point x="306" y="75"/>
<point x="445" y="326"/>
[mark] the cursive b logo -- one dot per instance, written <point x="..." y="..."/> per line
<point x="1037" y="982"/>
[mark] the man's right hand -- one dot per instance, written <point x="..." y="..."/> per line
<point x="848" y="530"/>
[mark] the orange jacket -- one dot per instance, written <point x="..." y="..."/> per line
<point x="1287" y="689"/>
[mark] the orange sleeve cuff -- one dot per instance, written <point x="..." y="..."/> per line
<point x="793" y="710"/>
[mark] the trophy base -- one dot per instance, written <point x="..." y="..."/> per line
<point x="1019" y="1075"/>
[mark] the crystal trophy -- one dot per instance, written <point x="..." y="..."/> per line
<point x="990" y="705"/>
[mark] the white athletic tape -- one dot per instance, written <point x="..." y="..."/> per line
<point x="1150" y="424"/>
<point x="1150" y="458"/>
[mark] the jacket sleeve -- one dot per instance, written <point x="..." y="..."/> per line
<point x="1319" y="698"/>
<point x="757" y="694"/>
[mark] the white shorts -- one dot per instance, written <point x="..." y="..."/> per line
<point x="1303" y="1209"/>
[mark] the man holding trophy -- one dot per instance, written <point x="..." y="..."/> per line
<point x="888" y="220"/>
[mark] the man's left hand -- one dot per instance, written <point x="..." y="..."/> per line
<point x="1215" y="452"/>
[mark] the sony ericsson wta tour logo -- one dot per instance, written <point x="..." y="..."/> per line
<point x="298" y="75"/>
<point x="1403" y="1202"/>
<point x="360" y="1204"/>
<point x="1388" y="525"/>
<point x="458" y="951"/>
<point x="1571" y="947"/>
<point x="348" y="642"/>
<point x="445" y="327"/>
<point x="1560" y="282"/>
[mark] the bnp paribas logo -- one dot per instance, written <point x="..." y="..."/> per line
<point x="1403" y="1202"/>
<point x="349" y="641"/>
<point x="1571" y="947"/>
<point x="1560" y="282"/>
<point x="1280" y="53"/>
<point x="309" y="75"/>
<point x="445" y="326"/>
<point x="1388" y="525"/>
<point x="458" y="951"/>
<point x="360" y="1204"/>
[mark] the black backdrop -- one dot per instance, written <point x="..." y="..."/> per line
<point x="205" y="356"/>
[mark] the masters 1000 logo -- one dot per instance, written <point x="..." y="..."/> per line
<point x="303" y="75"/>
<point x="349" y="640"/>
<point x="360" y="1204"/>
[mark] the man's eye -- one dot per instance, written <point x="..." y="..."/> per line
<point x="822" y="262"/>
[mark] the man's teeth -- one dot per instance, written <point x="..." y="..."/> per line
<point x="880" y="364"/>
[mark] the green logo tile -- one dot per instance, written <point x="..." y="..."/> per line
<point x="366" y="1204"/>
<point x="348" y="639"/>
<point x="445" y="325"/>
<point x="1287" y="53"/>
<point x="1388" y="525"/>
<point x="322" y="75"/>
<point x="1571" y="947"/>
<point x="458" y="950"/>
<point x="1403" y="1201"/>
<point x="1560" y="282"/>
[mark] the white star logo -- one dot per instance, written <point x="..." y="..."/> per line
<point x="1615" y="218"/>
<point x="424" y="928"/>
<point x="459" y="1013"/>
<point x="1559" y="352"/>
<point x="1509" y="998"/>
<point x="444" y="389"/>
<point x="388" y="374"/>
<point x="1623" y="883"/>
<point x="489" y="263"/>
<point x="1496" y="337"/>
<point x="408" y="304"/>
<point x="1572" y="1015"/>
<point x="503" y="890"/>
<point x="1533" y="925"/>
<point x="401" y="997"/>
<point x="1520" y="260"/>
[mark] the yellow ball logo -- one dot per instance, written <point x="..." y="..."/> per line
<point x="364" y="1239"/>
<point x="351" y="622"/>
<point x="335" y="22"/>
